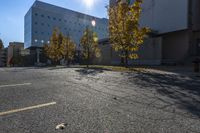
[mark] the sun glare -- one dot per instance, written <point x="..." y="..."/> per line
<point x="88" y="3"/>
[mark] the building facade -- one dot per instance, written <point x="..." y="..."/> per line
<point x="43" y="18"/>
<point x="14" y="53"/>
<point x="3" y="57"/>
<point x="177" y="24"/>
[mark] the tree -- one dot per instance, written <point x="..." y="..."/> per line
<point x="53" y="50"/>
<point x="68" y="49"/>
<point x="89" y="44"/>
<point x="126" y="35"/>
<point x="1" y="44"/>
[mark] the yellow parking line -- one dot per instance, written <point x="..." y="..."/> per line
<point x="27" y="108"/>
<point x="13" y="85"/>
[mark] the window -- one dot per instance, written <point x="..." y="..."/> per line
<point x="36" y="23"/>
<point x="42" y="16"/>
<point x="48" y="25"/>
<point x="36" y="32"/>
<point x="54" y="18"/>
<point x="65" y="21"/>
<point x="42" y="33"/>
<point x="49" y="17"/>
<point x="60" y="19"/>
<point x="42" y="24"/>
<point x="42" y="41"/>
<point x="36" y="14"/>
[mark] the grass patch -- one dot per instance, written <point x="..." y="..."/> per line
<point x="116" y="68"/>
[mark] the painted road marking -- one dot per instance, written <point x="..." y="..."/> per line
<point x="13" y="85"/>
<point x="27" y="108"/>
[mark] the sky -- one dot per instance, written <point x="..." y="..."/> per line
<point x="12" y="14"/>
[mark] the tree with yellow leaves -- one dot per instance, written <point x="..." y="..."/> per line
<point x="68" y="49"/>
<point x="53" y="50"/>
<point x="126" y="35"/>
<point x="89" y="45"/>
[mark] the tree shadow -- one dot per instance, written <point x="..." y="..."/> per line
<point x="89" y="71"/>
<point x="182" y="90"/>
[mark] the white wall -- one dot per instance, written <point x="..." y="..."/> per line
<point x="165" y="15"/>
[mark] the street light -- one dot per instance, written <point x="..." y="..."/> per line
<point x="93" y="22"/>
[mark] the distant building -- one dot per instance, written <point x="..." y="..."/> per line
<point x="177" y="25"/>
<point x="3" y="57"/>
<point x="14" y="53"/>
<point x="43" y="18"/>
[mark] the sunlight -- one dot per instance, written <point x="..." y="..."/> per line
<point x="89" y="3"/>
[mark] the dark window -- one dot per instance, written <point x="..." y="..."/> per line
<point x="49" y="17"/>
<point x="48" y="25"/>
<point x="60" y="19"/>
<point x="36" y="14"/>
<point x="54" y="18"/>
<point x="42" y="16"/>
<point x="65" y="21"/>
<point x="42" y="33"/>
<point x="36" y="32"/>
<point x="36" y="23"/>
<point x="42" y="24"/>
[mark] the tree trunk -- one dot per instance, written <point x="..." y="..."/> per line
<point x="88" y="60"/>
<point x="126" y="58"/>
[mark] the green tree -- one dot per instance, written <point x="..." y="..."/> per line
<point x="53" y="50"/>
<point x="126" y="35"/>
<point x="89" y="44"/>
<point x="68" y="49"/>
<point x="1" y="44"/>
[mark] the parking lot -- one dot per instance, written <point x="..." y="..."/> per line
<point x="35" y="100"/>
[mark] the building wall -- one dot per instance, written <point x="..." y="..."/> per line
<point x="45" y="18"/>
<point x="28" y="29"/>
<point x="3" y="57"/>
<point x="175" y="46"/>
<point x="195" y="13"/>
<point x="164" y="16"/>
<point x="14" y="48"/>
<point x="150" y="53"/>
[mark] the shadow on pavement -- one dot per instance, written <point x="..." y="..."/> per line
<point x="89" y="71"/>
<point x="184" y="91"/>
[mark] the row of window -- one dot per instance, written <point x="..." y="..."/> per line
<point x="48" y="25"/>
<point x="59" y="19"/>
<point x="54" y="18"/>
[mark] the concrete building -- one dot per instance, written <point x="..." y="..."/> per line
<point x="3" y="57"/>
<point x="177" y="24"/>
<point x="43" y="18"/>
<point x="14" y="53"/>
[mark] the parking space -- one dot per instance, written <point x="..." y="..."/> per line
<point x="36" y="100"/>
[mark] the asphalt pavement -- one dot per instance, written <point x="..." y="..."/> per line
<point x="36" y="100"/>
